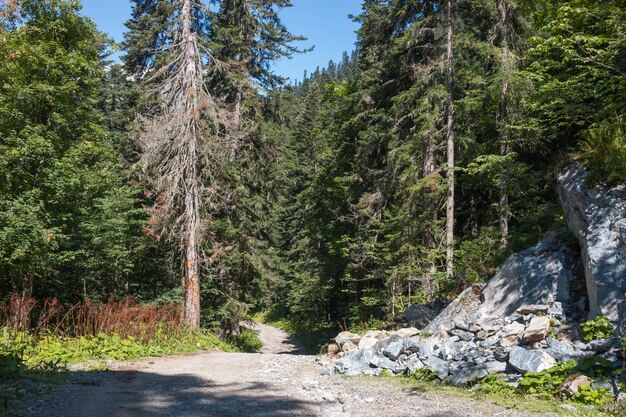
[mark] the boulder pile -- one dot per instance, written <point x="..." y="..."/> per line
<point x="524" y="342"/>
<point x="488" y="330"/>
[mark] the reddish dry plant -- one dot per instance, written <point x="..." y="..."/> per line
<point x="126" y="318"/>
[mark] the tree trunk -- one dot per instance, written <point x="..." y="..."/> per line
<point x="502" y="119"/>
<point x="450" y="143"/>
<point x="191" y="298"/>
<point x="28" y="284"/>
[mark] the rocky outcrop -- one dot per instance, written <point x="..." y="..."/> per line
<point x="527" y="317"/>
<point x="542" y="275"/>
<point x="520" y="321"/>
<point x="597" y="217"/>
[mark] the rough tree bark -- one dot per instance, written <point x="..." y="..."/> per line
<point x="450" y="146"/>
<point x="191" y="308"/>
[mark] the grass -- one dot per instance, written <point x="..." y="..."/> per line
<point x="527" y="404"/>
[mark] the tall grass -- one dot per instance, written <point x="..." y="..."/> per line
<point x="125" y="318"/>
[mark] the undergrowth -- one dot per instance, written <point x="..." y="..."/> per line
<point x="47" y="336"/>
<point x="21" y="351"/>
<point x="597" y="328"/>
<point x="248" y="341"/>
<point x="548" y="384"/>
<point x="500" y="393"/>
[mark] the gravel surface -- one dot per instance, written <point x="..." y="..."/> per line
<point x="276" y="382"/>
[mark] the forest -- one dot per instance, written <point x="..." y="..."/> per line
<point x="190" y="173"/>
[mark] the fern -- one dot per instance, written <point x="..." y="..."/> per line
<point x="604" y="150"/>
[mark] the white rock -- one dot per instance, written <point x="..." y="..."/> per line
<point x="345" y="337"/>
<point x="537" y="330"/>
<point x="367" y="341"/>
<point x="408" y="332"/>
<point x="530" y="360"/>
<point x="515" y="328"/>
<point x="349" y="346"/>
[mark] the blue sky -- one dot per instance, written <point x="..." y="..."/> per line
<point x="324" y="22"/>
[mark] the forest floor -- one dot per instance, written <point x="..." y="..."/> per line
<point x="278" y="381"/>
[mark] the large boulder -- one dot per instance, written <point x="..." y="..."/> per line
<point x="541" y="275"/>
<point x="597" y="217"/>
<point x="530" y="360"/>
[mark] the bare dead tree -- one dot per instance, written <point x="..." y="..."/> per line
<point x="508" y="62"/>
<point x="450" y="145"/>
<point x="184" y="143"/>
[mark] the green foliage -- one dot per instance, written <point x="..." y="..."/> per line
<point x="423" y="374"/>
<point x="604" y="151"/>
<point x="49" y="352"/>
<point x="11" y="366"/>
<point x="494" y="384"/>
<point x="587" y="395"/>
<point x="67" y="214"/>
<point x="248" y="341"/>
<point x="548" y="381"/>
<point x="598" y="328"/>
<point x="595" y="367"/>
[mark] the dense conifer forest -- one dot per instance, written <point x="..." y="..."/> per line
<point x="191" y="173"/>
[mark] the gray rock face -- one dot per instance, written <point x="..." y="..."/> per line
<point x="597" y="217"/>
<point x="537" y="276"/>
<point x="459" y="308"/>
<point x="530" y="360"/>
<point x="532" y="280"/>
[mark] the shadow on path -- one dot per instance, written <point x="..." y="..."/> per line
<point x="143" y="394"/>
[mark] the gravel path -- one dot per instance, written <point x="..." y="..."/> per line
<point x="219" y="384"/>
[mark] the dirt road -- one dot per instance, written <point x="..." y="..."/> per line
<point x="276" y="382"/>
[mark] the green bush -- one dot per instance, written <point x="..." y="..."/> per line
<point x="423" y="374"/>
<point x="248" y="341"/>
<point x="587" y="395"/>
<point x="598" y="328"/>
<point x="548" y="381"/>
